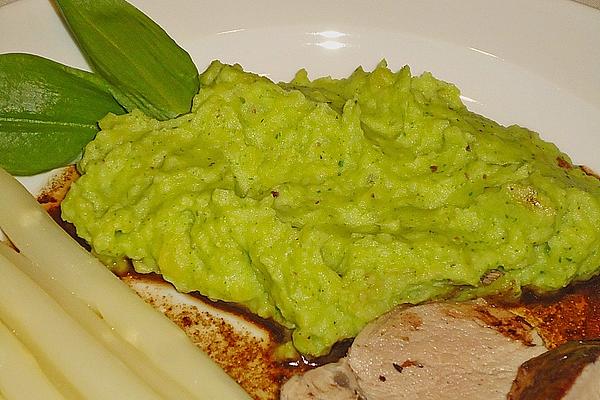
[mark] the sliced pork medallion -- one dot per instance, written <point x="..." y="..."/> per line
<point x="568" y="372"/>
<point x="433" y="351"/>
<point x="334" y="381"/>
<point x="442" y="351"/>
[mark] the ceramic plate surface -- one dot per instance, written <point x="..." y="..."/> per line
<point x="534" y="63"/>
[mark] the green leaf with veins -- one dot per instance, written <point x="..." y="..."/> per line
<point x="48" y="112"/>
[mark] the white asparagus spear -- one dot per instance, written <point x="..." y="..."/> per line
<point x="97" y="327"/>
<point x="41" y="240"/>
<point x="21" y="377"/>
<point x="54" y="337"/>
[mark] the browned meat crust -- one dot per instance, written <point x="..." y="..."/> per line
<point x="551" y="375"/>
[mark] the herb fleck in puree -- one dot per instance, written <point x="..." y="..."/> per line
<point x="325" y="203"/>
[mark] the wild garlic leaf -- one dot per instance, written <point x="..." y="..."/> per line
<point x="128" y="49"/>
<point x="48" y="112"/>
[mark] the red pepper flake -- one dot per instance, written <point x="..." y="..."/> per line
<point x="563" y="163"/>
<point x="406" y="364"/>
<point x="411" y="363"/>
<point x="433" y="168"/>
<point x="382" y="378"/>
<point x="274" y="193"/>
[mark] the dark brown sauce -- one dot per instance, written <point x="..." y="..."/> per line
<point x="54" y="211"/>
<point x="53" y="194"/>
<point x="339" y="350"/>
<point x="279" y="333"/>
<point x="589" y="288"/>
<point x="572" y="313"/>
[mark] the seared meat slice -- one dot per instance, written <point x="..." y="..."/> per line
<point x="433" y="351"/>
<point x="568" y="372"/>
<point x="331" y="381"/>
<point x="442" y="351"/>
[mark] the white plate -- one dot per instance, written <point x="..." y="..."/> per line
<point x="535" y="63"/>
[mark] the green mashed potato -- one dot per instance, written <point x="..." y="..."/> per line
<point x="323" y="204"/>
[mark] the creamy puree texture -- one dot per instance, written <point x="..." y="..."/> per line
<point x="323" y="204"/>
